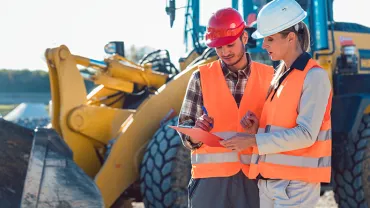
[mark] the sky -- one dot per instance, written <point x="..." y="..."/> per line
<point x="29" y="27"/>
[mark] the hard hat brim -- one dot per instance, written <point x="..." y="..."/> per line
<point x="222" y="41"/>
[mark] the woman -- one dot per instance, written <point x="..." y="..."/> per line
<point x="292" y="138"/>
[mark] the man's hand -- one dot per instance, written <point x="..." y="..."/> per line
<point x="204" y="122"/>
<point x="250" y="123"/>
<point x="240" y="142"/>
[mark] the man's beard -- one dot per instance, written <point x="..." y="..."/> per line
<point x="239" y="59"/>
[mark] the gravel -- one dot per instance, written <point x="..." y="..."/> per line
<point x="326" y="201"/>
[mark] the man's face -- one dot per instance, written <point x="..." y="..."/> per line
<point x="232" y="53"/>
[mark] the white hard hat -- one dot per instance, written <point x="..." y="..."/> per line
<point x="277" y="16"/>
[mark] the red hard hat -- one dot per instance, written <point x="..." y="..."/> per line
<point x="224" y="27"/>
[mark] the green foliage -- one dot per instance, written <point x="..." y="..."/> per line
<point x="4" y="109"/>
<point x="28" y="81"/>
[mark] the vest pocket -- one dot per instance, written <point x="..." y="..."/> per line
<point x="295" y="187"/>
<point x="193" y="184"/>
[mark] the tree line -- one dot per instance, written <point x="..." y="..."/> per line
<point x="28" y="81"/>
<point x="38" y="80"/>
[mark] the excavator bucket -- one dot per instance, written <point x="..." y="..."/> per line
<point x="15" y="147"/>
<point x="37" y="170"/>
<point x="53" y="179"/>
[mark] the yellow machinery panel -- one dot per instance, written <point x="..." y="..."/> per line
<point x="121" y="168"/>
<point x="67" y="99"/>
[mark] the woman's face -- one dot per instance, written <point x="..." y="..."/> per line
<point x="277" y="46"/>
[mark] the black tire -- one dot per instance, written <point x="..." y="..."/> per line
<point x="165" y="170"/>
<point x="351" y="168"/>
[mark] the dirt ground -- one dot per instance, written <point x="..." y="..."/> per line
<point x="326" y="201"/>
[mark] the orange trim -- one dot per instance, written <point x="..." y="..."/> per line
<point x="318" y="149"/>
<point x="312" y="175"/>
<point x="214" y="33"/>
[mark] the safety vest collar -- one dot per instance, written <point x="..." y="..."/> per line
<point x="301" y="62"/>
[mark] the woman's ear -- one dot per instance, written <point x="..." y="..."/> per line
<point x="291" y="37"/>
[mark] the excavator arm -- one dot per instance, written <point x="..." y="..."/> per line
<point x="88" y="128"/>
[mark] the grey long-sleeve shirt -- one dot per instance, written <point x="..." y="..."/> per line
<point x="311" y="110"/>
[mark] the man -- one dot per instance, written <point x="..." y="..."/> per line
<point x="227" y="88"/>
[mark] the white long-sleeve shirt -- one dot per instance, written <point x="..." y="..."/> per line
<point x="311" y="110"/>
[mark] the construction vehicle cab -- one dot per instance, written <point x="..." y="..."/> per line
<point x="113" y="145"/>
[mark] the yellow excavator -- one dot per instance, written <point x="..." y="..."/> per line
<point x="106" y="132"/>
<point x="113" y="145"/>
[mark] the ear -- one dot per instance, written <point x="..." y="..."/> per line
<point x="245" y="38"/>
<point x="291" y="37"/>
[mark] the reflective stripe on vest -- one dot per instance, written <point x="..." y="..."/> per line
<point x="298" y="161"/>
<point x="283" y="159"/>
<point x="323" y="135"/>
<point x="223" y="157"/>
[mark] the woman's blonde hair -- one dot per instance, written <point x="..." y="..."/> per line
<point x="303" y="35"/>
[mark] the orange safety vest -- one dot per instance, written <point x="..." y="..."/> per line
<point x="311" y="164"/>
<point x="220" y="104"/>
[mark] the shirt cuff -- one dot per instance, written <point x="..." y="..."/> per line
<point x="262" y="141"/>
<point x="190" y="145"/>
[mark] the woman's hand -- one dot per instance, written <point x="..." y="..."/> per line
<point x="250" y="123"/>
<point x="240" y="142"/>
